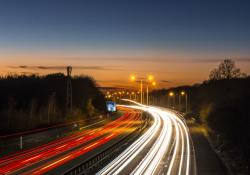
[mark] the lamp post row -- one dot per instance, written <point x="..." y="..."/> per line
<point x="182" y="93"/>
<point x="120" y="94"/>
<point x="149" y="81"/>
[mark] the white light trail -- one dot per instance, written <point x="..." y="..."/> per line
<point x="182" y="149"/>
<point x="166" y="128"/>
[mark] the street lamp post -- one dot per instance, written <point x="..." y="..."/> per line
<point x="186" y="100"/>
<point x="179" y="102"/>
<point x="120" y="95"/>
<point x="171" y="94"/>
<point x="137" y="96"/>
<point x="132" y="95"/>
<point x="141" y="92"/>
<point x="149" y="80"/>
<point x="147" y="94"/>
<point x="153" y="84"/>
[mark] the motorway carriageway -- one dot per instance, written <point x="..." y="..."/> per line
<point x="46" y="157"/>
<point x="165" y="148"/>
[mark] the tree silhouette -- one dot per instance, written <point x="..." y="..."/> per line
<point x="226" y="70"/>
<point x="222" y="106"/>
<point x="35" y="101"/>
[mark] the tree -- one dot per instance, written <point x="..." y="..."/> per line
<point x="32" y="101"/>
<point x="90" y="108"/>
<point x="226" y="70"/>
<point x="215" y="75"/>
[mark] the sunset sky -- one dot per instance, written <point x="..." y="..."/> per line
<point x="179" y="42"/>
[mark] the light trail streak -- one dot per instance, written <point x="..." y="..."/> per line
<point x="133" y="150"/>
<point x="149" y="163"/>
<point x="175" y="149"/>
<point x="26" y="153"/>
<point x="166" y="128"/>
<point x="27" y="158"/>
<point x="22" y="154"/>
<point x="184" y="128"/>
<point x="182" y="149"/>
<point x="74" y="154"/>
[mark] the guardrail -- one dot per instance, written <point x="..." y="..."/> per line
<point x="92" y="165"/>
<point x="10" y="144"/>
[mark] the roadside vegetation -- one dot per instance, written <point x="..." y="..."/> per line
<point x="28" y="102"/>
<point x="222" y="105"/>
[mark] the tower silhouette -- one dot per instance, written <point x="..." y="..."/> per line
<point x="69" y="89"/>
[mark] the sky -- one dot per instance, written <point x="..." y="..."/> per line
<point x="179" y="42"/>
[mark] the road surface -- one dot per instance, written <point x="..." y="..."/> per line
<point x="56" y="154"/>
<point x="166" y="148"/>
<point x="208" y="162"/>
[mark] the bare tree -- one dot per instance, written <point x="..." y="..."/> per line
<point x="226" y="70"/>
<point x="214" y="75"/>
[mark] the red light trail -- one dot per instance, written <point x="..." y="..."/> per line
<point x="24" y="159"/>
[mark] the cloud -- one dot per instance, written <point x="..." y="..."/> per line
<point x="165" y="81"/>
<point x="63" y="67"/>
<point x="24" y="67"/>
<point x="182" y="59"/>
<point x="216" y="60"/>
<point x="241" y="59"/>
<point x="111" y="88"/>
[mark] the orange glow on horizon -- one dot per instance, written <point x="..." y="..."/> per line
<point x="113" y="70"/>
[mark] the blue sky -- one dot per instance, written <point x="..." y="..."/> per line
<point x="196" y="28"/>
<point x="207" y="25"/>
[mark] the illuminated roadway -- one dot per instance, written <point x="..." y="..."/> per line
<point x="56" y="154"/>
<point x="166" y="148"/>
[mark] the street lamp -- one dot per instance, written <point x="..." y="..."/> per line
<point x="150" y="79"/>
<point x="133" y="94"/>
<point x="183" y="93"/>
<point x="137" y="96"/>
<point x="133" y="78"/>
<point x="171" y="95"/>
<point x="148" y="82"/>
<point x="120" y="94"/>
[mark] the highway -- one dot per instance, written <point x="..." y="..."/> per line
<point x="166" y="148"/>
<point x="43" y="159"/>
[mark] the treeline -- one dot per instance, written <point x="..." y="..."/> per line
<point x="33" y="101"/>
<point x="223" y="105"/>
